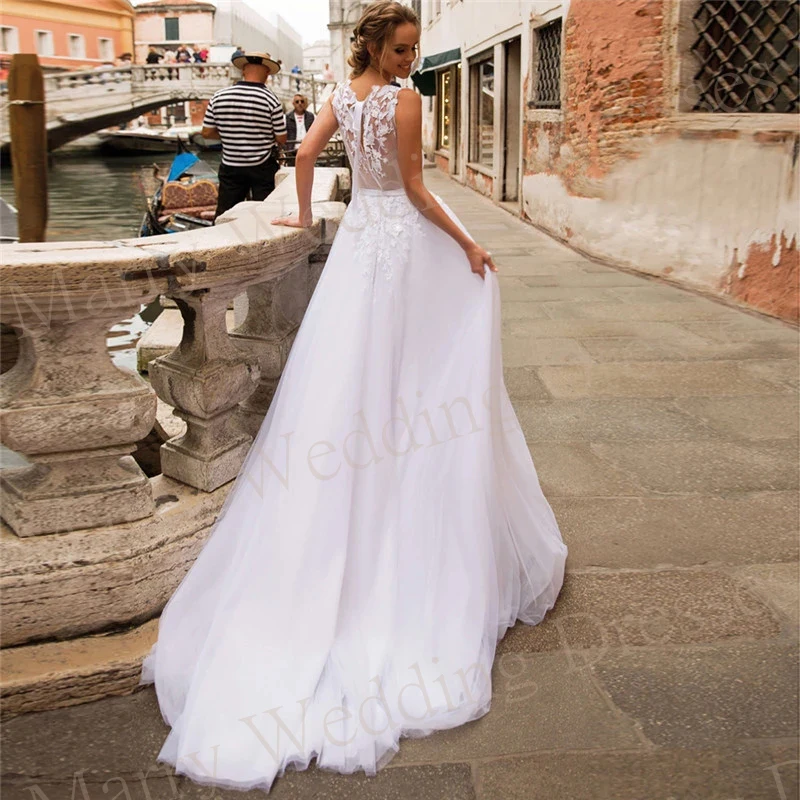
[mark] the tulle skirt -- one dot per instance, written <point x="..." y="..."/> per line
<point x="385" y="530"/>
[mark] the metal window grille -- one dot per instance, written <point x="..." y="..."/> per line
<point x="748" y="56"/>
<point x="548" y="74"/>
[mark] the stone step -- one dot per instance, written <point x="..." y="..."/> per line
<point x="67" y="673"/>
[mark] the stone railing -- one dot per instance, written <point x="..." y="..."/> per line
<point x="113" y="94"/>
<point x="91" y="543"/>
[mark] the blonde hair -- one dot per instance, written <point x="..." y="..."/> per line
<point x="375" y="27"/>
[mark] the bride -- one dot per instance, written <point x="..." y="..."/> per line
<point x="387" y="526"/>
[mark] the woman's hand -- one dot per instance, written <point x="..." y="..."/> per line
<point x="295" y="220"/>
<point x="477" y="258"/>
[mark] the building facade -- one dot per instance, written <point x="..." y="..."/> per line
<point x="316" y="56"/>
<point x="67" y="34"/>
<point x="639" y="132"/>
<point x="343" y="15"/>
<point x="167" y="24"/>
<point x="241" y="25"/>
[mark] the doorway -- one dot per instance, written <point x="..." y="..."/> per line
<point x="512" y="111"/>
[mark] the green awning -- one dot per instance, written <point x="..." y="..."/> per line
<point x="425" y="77"/>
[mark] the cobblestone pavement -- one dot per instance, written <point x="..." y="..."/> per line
<point x="664" y="426"/>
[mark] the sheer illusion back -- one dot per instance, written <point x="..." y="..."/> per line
<point x="370" y="135"/>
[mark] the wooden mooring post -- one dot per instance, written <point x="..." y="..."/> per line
<point x="28" y="145"/>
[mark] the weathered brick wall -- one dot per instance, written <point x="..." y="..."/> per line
<point x="442" y="163"/>
<point x="613" y="68"/>
<point x="480" y="182"/>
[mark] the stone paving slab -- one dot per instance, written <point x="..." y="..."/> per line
<point x="705" y="466"/>
<point x="524" y="383"/>
<point x="757" y="771"/>
<point x="625" y="349"/>
<point x="745" y="328"/>
<point x="571" y="469"/>
<point x="682" y="530"/>
<point x="706" y="696"/>
<point x="762" y="417"/>
<point x="701" y="309"/>
<point x="628" y="419"/>
<point x="779" y="585"/>
<point x="538" y="703"/>
<point x="426" y="782"/>
<point x="657" y="379"/>
<point x="645" y="608"/>
<point x="583" y="329"/>
<point x="524" y="352"/>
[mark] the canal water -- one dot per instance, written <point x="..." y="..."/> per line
<point x="95" y="196"/>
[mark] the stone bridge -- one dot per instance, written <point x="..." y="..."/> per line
<point x="79" y="103"/>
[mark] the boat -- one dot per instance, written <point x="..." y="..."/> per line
<point x="8" y="223"/>
<point x="185" y="200"/>
<point x="143" y="139"/>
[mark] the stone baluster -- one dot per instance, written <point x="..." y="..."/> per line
<point x="204" y="379"/>
<point x="270" y="314"/>
<point x="76" y="417"/>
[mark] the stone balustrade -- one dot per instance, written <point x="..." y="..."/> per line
<point x="90" y="543"/>
<point x="79" y="102"/>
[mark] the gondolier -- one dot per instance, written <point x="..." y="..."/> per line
<point x="248" y="118"/>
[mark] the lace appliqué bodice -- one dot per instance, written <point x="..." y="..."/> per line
<point x="380" y="212"/>
<point x="370" y="135"/>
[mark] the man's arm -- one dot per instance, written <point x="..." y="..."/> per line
<point x="279" y="125"/>
<point x="210" y="123"/>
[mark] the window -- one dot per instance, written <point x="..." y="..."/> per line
<point x="482" y="113"/>
<point x="77" y="46"/>
<point x="443" y="111"/>
<point x="416" y="6"/>
<point x="171" y="29"/>
<point x="44" y="43"/>
<point x="175" y="113"/>
<point x="547" y="70"/>
<point x="746" y="56"/>
<point x="9" y="39"/>
<point x="105" y="48"/>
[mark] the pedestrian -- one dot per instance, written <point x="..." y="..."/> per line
<point x="169" y="56"/>
<point x="153" y="56"/>
<point x="298" y="121"/>
<point x="297" y="72"/>
<point x="248" y="118"/>
<point x="327" y="73"/>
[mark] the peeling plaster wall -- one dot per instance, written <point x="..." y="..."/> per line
<point x="694" y="198"/>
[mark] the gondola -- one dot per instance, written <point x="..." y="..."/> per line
<point x="185" y="200"/>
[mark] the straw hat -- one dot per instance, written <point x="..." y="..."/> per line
<point x="256" y="58"/>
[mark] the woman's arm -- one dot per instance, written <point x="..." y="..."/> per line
<point x="317" y="136"/>
<point x="408" y="118"/>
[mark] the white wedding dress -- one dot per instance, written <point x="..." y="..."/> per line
<point x="387" y="526"/>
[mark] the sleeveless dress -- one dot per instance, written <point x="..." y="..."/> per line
<point x="387" y="525"/>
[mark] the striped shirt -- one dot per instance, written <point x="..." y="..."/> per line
<point x="248" y="116"/>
